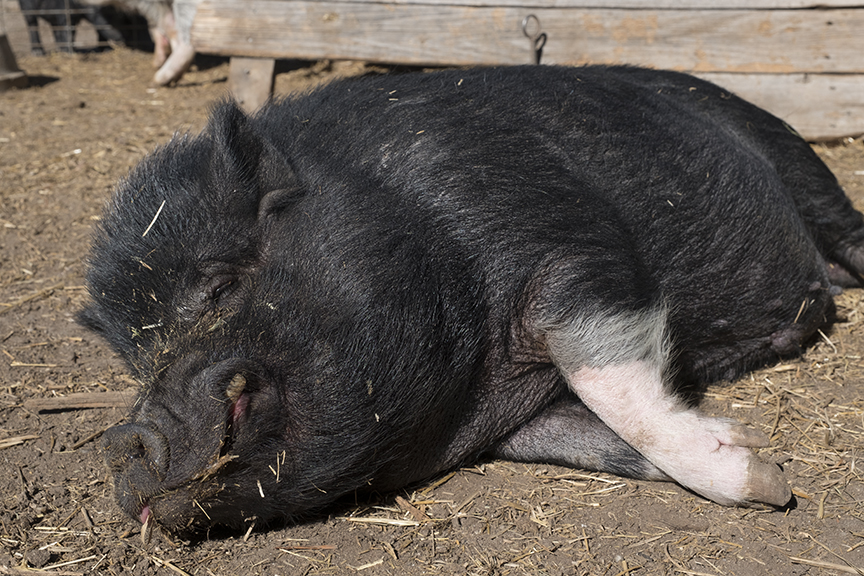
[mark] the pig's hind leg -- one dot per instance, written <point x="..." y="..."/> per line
<point x="617" y="363"/>
<point x="569" y="434"/>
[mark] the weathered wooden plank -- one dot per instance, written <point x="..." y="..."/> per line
<point x="818" y="106"/>
<point x="83" y="400"/>
<point x="632" y="4"/>
<point x="415" y="34"/>
<point x="777" y="41"/>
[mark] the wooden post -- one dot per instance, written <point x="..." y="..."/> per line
<point x="250" y="81"/>
<point x="10" y="74"/>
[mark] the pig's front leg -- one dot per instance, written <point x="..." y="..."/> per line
<point x="616" y="365"/>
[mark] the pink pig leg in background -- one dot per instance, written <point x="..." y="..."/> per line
<point x="177" y="26"/>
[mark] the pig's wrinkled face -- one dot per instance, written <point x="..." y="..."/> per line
<point x="192" y="454"/>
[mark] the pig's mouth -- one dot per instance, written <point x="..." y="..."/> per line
<point x="239" y="398"/>
<point x="200" y="488"/>
<point x="145" y="513"/>
<point x="186" y="507"/>
<point x="181" y="494"/>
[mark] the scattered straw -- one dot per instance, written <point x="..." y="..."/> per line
<point x="94" y="435"/>
<point x="438" y="482"/>
<point x="145" y="532"/>
<point x="152" y="222"/>
<point x="16" y="440"/>
<point x="415" y="512"/>
<point x="853" y="569"/>
<point x="168" y="564"/>
<point x="70" y="562"/>
<point x="381" y="521"/>
<point x="34" y="572"/>
<point x="826" y="565"/>
<point x="248" y="532"/>
<point x="35" y="295"/>
<point x="826" y="339"/>
<point x="466" y="503"/>
<point x="287" y="547"/>
<point x="202" y="509"/>
<point x="627" y="570"/>
<point x="369" y="565"/>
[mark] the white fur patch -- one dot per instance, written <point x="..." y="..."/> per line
<point x="601" y="339"/>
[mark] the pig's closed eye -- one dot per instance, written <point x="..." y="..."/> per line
<point x="221" y="286"/>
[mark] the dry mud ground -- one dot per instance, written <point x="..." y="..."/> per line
<point x="84" y="122"/>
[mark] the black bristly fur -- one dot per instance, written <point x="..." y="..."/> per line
<point x="375" y="258"/>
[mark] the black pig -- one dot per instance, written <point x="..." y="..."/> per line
<point x="362" y="286"/>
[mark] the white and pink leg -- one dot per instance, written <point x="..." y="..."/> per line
<point x="616" y="364"/>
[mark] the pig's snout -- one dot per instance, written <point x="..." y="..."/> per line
<point x="137" y="454"/>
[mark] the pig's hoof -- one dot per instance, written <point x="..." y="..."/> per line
<point x="766" y="484"/>
<point x="164" y="77"/>
<point x="714" y="458"/>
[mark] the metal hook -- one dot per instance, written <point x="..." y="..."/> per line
<point x="538" y="39"/>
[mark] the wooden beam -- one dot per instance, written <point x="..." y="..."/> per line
<point x="779" y="41"/>
<point x="805" y="66"/>
<point x="759" y="41"/>
<point x="408" y="34"/>
<point x="10" y="75"/>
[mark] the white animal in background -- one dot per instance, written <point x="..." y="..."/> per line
<point x="170" y="27"/>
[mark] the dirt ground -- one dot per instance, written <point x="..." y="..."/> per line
<point x="88" y="118"/>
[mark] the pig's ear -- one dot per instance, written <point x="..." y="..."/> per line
<point x="249" y="156"/>
<point x="277" y="201"/>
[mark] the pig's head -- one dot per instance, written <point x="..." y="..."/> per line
<point x="238" y="430"/>
<point x="175" y="285"/>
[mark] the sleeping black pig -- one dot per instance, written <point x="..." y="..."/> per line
<point x="362" y="286"/>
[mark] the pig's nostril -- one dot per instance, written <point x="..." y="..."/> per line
<point x="132" y="445"/>
<point x="138" y="451"/>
